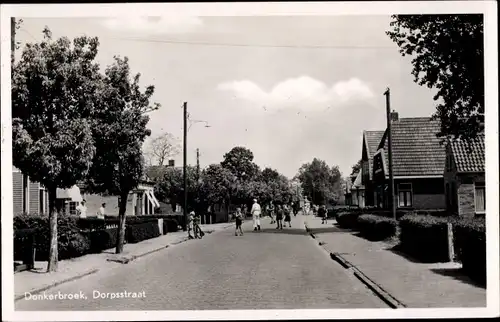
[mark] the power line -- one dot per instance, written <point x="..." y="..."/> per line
<point x="180" y="42"/>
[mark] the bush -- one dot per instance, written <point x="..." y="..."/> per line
<point x="469" y="239"/>
<point x="424" y="237"/>
<point x="170" y="225"/>
<point x="377" y="228"/>
<point x="102" y="239"/>
<point x="71" y="242"/>
<point x="139" y="232"/>
<point x="349" y="219"/>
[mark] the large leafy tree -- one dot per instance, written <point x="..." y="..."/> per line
<point x="217" y="184"/>
<point x="240" y="162"/>
<point x="120" y="129"/>
<point x="448" y="54"/>
<point x="320" y="182"/>
<point x="278" y="186"/>
<point x="53" y="87"/>
<point x="170" y="187"/>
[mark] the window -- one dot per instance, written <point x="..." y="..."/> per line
<point x="480" y="197"/>
<point x="72" y="207"/>
<point x="405" y="195"/>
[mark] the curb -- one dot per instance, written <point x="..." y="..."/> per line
<point x="67" y="280"/>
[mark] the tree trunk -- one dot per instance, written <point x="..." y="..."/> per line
<point x="53" y="254"/>
<point x="122" y="208"/>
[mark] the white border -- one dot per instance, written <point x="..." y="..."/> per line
<point x="248" y="9"/>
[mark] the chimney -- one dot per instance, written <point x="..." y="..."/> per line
<point x="171" y="163"/>
<point x="394" y="116"/>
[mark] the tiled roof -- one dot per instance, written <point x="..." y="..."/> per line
<point x="416" y="151"/>
<point x="469" y="157"/>
<point x="373" y="139"/>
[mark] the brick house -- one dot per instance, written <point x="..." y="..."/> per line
<point x="371" y="141"/>
<point x="465" y="177"/>
<point x="418" y="165"/>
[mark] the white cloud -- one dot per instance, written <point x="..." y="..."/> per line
<point x="155" y="25"/>
<point x="300" y="91"/>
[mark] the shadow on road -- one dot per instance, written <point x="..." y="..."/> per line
<point x="458" y="274"/>
<point x="286" y="231"/>
<point x="327" y="230"/>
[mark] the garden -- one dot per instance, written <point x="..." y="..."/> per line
<point x="425" y="236"/>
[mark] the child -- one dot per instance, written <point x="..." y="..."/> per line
<point x="323" y="214"/>
<point x="191" y="224"/>
<point x="279" y="217"/>
<point x="288" y="218"/>
<point x="239" y="221"/>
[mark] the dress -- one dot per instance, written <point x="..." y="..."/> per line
<point x="288" y="218"/>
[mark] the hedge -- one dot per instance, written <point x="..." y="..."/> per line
<point x="139" y="232"/>
<point x="71" y="242"/>
<point x="469" y="239"/>
<point x="377" y="228"/>
<point x="102" y="239"/>
<point x="170" y="226"/>
<point x="349" y="219"/>
<point x="424" y="237"/>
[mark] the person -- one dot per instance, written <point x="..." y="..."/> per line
<point x="288" y="217"/>
<point x="239" y="221"/>
<point x="81" y="210"/>
<point x="256" y="211"/>
<point x="190" y="225"/>
<point x="102" y="211"/>
<point x="271" y="210"/>
<point x="279" y="218"/>
<point x="245" y="211"/>
<point x="323" y="214"/>
<point x="198" y="233"/>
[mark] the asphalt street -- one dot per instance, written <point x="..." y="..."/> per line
<point x="268" y="269"/>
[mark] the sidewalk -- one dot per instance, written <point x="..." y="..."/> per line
<point x="416" y="285"/>
<point x="38" y="280"/>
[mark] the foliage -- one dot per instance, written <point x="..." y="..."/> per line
<point x="449" y="56"/>
<point x="102" y="239"/>
<point x="71" y="243"/>
<point x="348" y="218"/>
<point x="163" y="147"/>
<point x="240" y="162"/>
<point x="377" y="228"/>
<point x="139" y="232"/>
<point x="170" y="226"/>
<point x="320" y="182"/>
<point x="356" y="167"/>
<point x="217" y="183"/>
<point x="424" y="237"/>
<point x="171" y="187"/>
<point x="469" y="239"/>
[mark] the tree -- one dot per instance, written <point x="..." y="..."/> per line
<point x="120" y="129"/>
<point x="217" y="183"/>
<point x="240" y="162"/>
<point x="357" y="167"/>
<point x="278" y="186"/>
<point x="163" y="147"/>
<point x="53" y="99"/>
<point x="171" y="186"/>
<point x="448" y="55"/>
<point x="320" y="182"/>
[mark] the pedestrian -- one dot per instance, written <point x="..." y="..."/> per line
<point x="198" y="233"/>
<point x="190" y="225"/>
<point x="239" y="221"/>
<point x="256" y="211"/>
<point x="323" y="214"/>
<point x="279" y="217"/>
<point x="102" y="211"/>
<point x="81" y="210"/>
<point x="271" y="212"/>
<point x="288" y="217"/>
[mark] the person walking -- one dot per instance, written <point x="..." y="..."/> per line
<point x="288" y="217"/>
<point x="323" y="214"/>
<point x="271" y="212"/>
<point x="191" y="225"/>
<point x="279" y="217"/>
<point x="239" y="221"/>
<point x="256" y="211"/>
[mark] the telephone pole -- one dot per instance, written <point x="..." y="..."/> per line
<point x="198" y="164"/>
<point x="184" y="226"/>
<point x="389" y="139"/>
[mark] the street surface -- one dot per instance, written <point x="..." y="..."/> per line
<point x="269" y="269"/>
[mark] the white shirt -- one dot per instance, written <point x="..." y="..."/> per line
<point x="82" y="211"/>
<point x="255" y="209"/>
<point x="101" y="212"/>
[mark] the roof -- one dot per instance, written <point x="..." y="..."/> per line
<point x="469" y="157"/>
<point x="357" y="183"/>
<point x="416" y="150"/>
<point x="372" y="139"/>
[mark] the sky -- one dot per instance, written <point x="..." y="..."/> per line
<point x="288" y="88"/>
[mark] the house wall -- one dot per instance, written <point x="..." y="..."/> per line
<point x="134" y="205"/>
<point x="466" y="191"/>
<point x="451" y="184"/>
<point x="26" y="195"/>
<point x="17" y="192"/>
<point x="427" y="193"/>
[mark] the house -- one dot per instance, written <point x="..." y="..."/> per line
<point x="465" y="177"/>
<point x="358" y="191"/>
<point x="371" y="141"/>
<point x="28" y="196"/>
<point x="346" y="187"/>
<point x="418" y="165"/>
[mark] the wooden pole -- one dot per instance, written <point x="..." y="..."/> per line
<point x="184" y="226"/>
<point x="392" y="200"/>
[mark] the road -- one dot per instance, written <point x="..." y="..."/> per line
<point x="268" y="269"/>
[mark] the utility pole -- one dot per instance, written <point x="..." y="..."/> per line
<point x="197" y="164"/>
<point x="12" y="40"/>
<point x="184" y="226"/>
<point x="389" y="139"/>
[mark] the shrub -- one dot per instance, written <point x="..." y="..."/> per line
<point x="71" y="242"/>
<point x="102" y="239"/>
<point x="377" y="228"/>
<point x="348" y="219"/>
<point x="139" y="232"/>
<point x="424" y="237"/>
<point x="469" y="239"/>
<point x="170" y="225"/>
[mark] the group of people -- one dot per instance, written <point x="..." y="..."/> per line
<point x="81" y="210"/>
